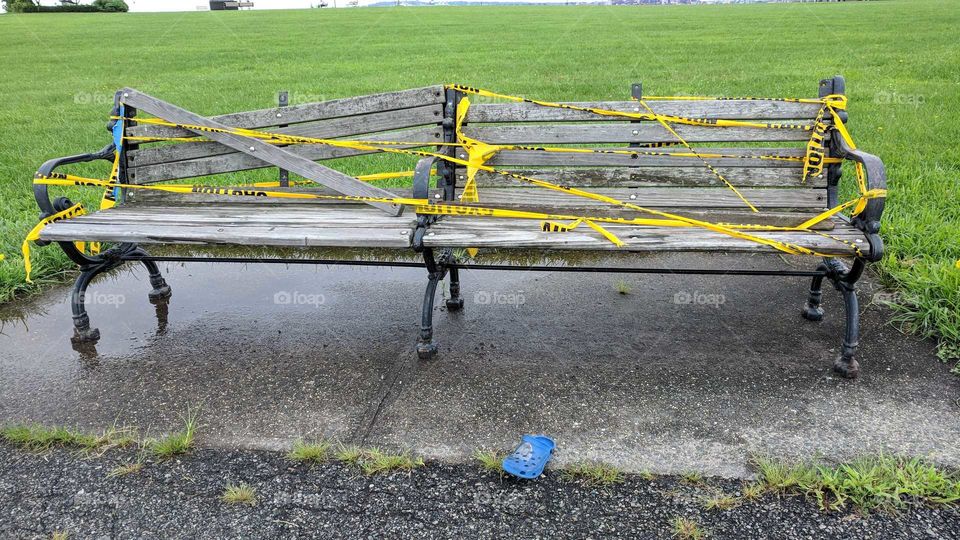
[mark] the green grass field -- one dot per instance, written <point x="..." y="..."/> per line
<point x="901" y="60"/>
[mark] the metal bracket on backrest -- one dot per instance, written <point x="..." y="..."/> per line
<point x="283" y="99"/>
<point x="835" y="85"/>
<point x="446" y="170"/>
<point x="636" y="92"/>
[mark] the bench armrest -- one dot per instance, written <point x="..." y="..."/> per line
<point x="868" y="220"/>
<point x="40" y="192"/>
<point x="421" y="178"/>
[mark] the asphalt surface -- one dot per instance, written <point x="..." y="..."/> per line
<point x="64" y="492"/>
<point x="683" y="373"/>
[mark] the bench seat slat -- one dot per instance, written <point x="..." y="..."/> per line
<point x="506" y="233"/>
<point x="353" y="226"/>
<point x="714" y="109"/>
<point x="308" y="112"/>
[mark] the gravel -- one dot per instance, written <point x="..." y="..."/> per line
<point x="180" y="498"/>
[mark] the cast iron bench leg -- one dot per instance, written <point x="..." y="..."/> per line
<point x="455" y="302"/>
<point x="426" y="347"/>
<point x="108" y="260"/>
<point x="845" y="281"/>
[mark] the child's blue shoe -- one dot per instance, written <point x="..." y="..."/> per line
<point x="529" y="458"/>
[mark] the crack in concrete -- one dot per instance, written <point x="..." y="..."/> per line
<point x="389" y="392"/>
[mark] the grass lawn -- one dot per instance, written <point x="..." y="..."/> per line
<point x="901" y="60"/>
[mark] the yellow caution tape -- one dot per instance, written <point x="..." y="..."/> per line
<point x="34" y="234"/>
<point x="478" y="153"/>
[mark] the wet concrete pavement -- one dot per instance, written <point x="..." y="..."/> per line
<point x="683" y="373"/>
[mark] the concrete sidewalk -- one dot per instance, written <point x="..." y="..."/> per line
<point x="683" y="373"/>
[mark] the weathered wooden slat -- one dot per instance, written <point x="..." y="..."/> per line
<point x="652" y="176"/>
<point x="624" y="133"/>
<point x="507" y="233"/>
<point x="242" y="162"/>
<point x="729" y="109"/>
<point x="308" y="112"/>
<point x="567" y="159"/>
<point x="324" y="129"/>
<point x="659" y="197"/>
<point x="280" y="157"/>
<point x="360" y="226"/>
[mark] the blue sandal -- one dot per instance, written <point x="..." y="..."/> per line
<point x="529" y="458"/>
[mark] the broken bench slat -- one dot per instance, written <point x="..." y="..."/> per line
<point x="309" y="112"/>
<point x="239" y="161"/>
<point x="280" y="157"/>
<point x="334" y="128"/>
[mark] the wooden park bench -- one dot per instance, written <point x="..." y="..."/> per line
<point x="744" y="175"/>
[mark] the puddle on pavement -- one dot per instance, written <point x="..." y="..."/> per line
<point x="35" y="334"/>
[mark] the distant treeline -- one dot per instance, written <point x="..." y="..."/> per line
<point x="98" y="6"/>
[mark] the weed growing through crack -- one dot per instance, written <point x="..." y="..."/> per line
<point x="39" y="438"/>
<point x="349" y="454"/>
<point x="752" y="492"/>
<point x="490" y="460"/>
<point x="686" y="529"/>
<point x="877" y="482"/>
<point x="60" y="535"/>
<point x="623" y="287"/>
<point x="720" y="501"/>
<point x="241" y="493"/>
<point x="177" y="443"/>
<point x="596" y="474"/>
<point x="692" y="477"/>
<point x="376" y="461"/>
<point x="315" y="452"/>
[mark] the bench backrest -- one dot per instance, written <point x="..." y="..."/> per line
<point x="658" y="181"/>
<point x="410" y="115"/>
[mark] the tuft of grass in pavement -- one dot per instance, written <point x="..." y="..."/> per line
<point x="647" y="475"/>
<point x="686" y="529"/>
<point x="39" y="438"/>
<point x="593" y="473"/>
<point x="720" y="501"/>
<point x="623" y="287"/>
<point x="60" y="535"/>
<point x="376" y="461"/>
<point x="490" y="460"/>
<point x="174" y="444"/>
<point x="241" y="493"/>
<point x="692" y="477"/>
<point x="349" y="454"/>
<point x="126" y="469"/>
<point x="753" y="491"/>
<point x="875" y="482"/>
<point x="316" y="452"/>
